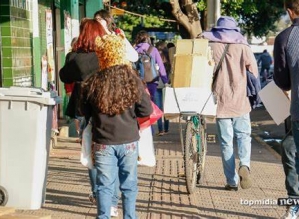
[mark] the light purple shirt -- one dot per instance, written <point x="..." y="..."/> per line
<point x="143" y="47"/>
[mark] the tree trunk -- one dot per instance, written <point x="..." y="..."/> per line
<point x="190" y="19"/>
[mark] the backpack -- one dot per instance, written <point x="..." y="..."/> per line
<point x="146" y="66"/>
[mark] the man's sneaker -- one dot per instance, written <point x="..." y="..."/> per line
<point x="92" y="199"/>
<point x="292" y="212"/>
<point x="114" y="212"/>
<point x="245" y="179"/>
<point x="231" y="188"/>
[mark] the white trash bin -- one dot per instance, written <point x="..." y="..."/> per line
<point x="25" y="133"/>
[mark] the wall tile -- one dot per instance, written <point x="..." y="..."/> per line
<point x="7" y="72"/>
<point x="5" y="31"/>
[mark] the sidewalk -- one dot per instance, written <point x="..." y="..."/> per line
<point x="162" y="193"/>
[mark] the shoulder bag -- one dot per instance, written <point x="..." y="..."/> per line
<point x="215" y="75"/>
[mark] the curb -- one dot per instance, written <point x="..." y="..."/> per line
<point x="268" y="147"/>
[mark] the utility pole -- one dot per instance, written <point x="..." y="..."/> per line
<point x="213" y="13"/>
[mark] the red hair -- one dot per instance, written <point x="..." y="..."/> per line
<point x="89" y="30"/>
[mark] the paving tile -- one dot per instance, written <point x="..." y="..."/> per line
<point x="162" y="189"/>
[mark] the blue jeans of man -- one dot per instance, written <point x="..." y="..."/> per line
<point x="240" y="128"/>
<point x="112" y="162"/>
<point x="292" y="163"/>
<point x="93" y="182"/>
<point x="159" y="103"/>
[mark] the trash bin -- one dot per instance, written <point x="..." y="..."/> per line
<point x="25" y="133"/>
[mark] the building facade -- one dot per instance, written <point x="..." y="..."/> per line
<point x="35" y="36"/>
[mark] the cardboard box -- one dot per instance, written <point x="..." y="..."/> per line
<point x="193" y="64"/>
<point x="180" y="100"/>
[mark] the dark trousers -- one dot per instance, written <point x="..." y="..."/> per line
<point x="288" y="157"/>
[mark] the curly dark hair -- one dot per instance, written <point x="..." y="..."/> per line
<point x="113" y="89"/>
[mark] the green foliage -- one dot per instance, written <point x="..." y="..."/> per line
<point x="256" y="17"/>
<point x="202" y="5"/>
<point x="147" y="14"/>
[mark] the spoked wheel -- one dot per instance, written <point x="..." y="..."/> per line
<point x="3" y="196"/>
<point x="190" y="157"/>
<point x="202" y="152"/>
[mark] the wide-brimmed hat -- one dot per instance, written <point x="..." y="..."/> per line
<point x="226" y="22"/>
<point x="225" y="31"/>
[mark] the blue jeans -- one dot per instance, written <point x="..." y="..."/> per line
<point x="159" y="103"/>
<point x="152" y="88"/>
<point x="93" y="182"/>
<point x="82" y="125"/>
<point x="288" y="158"/>
<point x="112" y="162"/>
<point x="240" y="128"/>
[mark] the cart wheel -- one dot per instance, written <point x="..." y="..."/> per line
<point x="202" y="155"/>
<point x="3" y="196"/>
<point x="190" y="157"/>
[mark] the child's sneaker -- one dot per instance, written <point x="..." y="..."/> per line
<point x="292" y="212"/>
<point x="114" y="212"/>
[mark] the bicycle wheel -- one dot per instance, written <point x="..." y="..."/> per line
<point x="202" y="151"/>
<point x="3" y="196"/>
<point x="190" y="157"/>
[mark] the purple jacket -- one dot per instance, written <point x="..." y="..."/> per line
<point x="141" y="47"/>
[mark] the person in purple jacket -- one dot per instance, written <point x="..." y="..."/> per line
<point x="142" y="43"/>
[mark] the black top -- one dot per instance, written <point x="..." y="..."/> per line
<point x="78" y="67"/>
<point x="122" y="128"/>
<point x="281" y="68"/>
<point x="286" y="64"/>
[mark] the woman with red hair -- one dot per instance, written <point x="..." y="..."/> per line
<point x="80" y="64"/>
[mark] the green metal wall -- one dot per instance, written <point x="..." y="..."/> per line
<point x="16" y="50"/>
<point x="92" y="6"/>
<point x="22" y="44"/>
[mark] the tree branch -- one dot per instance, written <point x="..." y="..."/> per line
<point x="190" y="21"/>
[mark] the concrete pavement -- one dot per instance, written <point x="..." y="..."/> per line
<point x="162" y="192"/>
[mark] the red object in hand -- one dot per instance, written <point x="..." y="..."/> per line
<point x="150" y="120"/>
<point x="117" y="31"/>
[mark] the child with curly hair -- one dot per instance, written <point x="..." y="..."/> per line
<point x="114" y="98"/>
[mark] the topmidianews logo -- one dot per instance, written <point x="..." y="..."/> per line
<point x="287" y="201"/>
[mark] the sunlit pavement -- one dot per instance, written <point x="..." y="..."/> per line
<point x="162" y="192"/>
